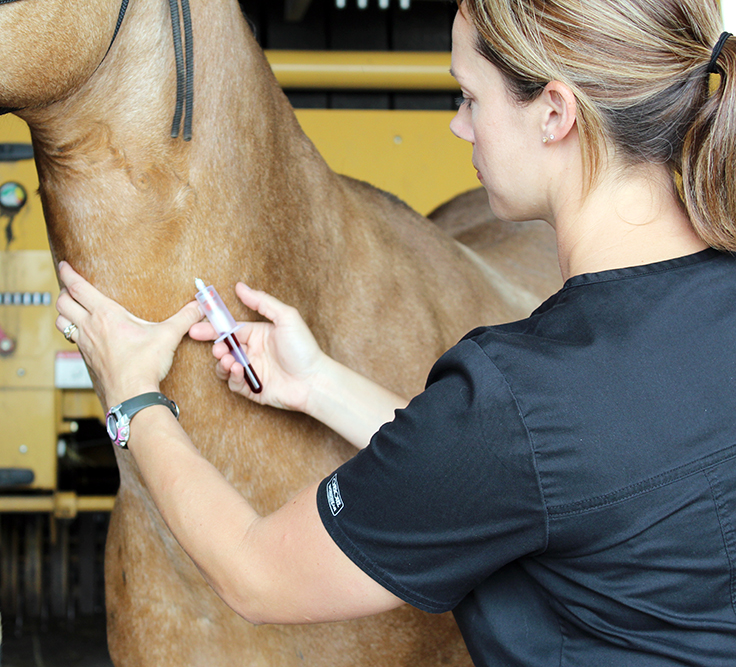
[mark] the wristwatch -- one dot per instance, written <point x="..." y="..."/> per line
<point x="119" y="416"/>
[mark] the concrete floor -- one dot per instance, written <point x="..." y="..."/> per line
<point x="80" y="643"/>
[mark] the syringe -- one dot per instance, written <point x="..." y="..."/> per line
<point x="225" y="325"/>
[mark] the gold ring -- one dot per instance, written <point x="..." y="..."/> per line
<point x="69" y="331"/>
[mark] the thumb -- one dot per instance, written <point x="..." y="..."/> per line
<point x="181" y="322"/>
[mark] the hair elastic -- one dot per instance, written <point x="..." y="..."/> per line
<point x="717" y="52"/>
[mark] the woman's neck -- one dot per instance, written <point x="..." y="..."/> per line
<point x="630" y="218"/>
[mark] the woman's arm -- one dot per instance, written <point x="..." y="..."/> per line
<point x="283" y="568"/>
<point x="351" y="404"/>
<point x="297" y="375"/>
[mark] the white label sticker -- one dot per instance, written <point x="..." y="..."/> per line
<point x="334" y="499"/>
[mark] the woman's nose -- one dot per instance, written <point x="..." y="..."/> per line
<point x="460" y="127"/>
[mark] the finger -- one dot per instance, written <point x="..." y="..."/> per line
<point x="236" y="381"/>
<point x="230" y="370"/>
<point x="78" y="288"/>
<point x="221" y="350"/>
<point x="265" y="304"/>
<point x="203" y="331"/>
<point x="221" y="372"/>
<point x="67" y="328"/>
<point x="67" y="307"/>
<point x="182" y="321"/>
<point x="225" y="367"/>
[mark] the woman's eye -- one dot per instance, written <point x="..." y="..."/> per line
<point x="462" y="101"/>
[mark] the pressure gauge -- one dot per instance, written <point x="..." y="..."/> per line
<point x="12" y="196"/>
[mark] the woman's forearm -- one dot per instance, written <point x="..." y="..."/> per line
<point x="351" y="404"/>
<point x="283" y="568"/>
<point x="205" y="513"/>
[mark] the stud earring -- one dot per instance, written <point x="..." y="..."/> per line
<point x="547" y="139"/>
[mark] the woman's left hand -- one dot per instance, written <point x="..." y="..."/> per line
<point x="128" y="355"/>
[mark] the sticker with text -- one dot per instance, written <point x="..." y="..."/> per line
<point x="334" y="499"/>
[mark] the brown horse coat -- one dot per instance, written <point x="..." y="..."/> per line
<point x="141" y="215"/>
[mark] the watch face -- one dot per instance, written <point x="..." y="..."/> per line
<point x="112" y="427"/>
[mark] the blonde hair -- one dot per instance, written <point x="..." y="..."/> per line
<point x="639" y="72"/>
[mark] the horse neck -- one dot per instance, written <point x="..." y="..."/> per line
<point x="120" y="195"/>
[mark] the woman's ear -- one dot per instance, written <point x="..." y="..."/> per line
<point x="559" y="111"/>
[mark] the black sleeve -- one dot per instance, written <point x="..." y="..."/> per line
<point x="446" y="493"/>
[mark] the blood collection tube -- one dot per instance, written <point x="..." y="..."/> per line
<point x="225" y="325"/>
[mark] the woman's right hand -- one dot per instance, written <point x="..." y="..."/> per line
<point x="283" y="352"/>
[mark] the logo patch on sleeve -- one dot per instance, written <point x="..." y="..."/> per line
<point x="334" y="499"/>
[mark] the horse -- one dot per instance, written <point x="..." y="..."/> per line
<point x="524" y="252"/>
<point x="141" y="213"/>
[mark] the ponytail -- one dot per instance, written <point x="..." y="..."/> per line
<point x="709" y="155"/>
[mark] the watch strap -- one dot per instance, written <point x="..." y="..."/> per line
<point x="124" y="412"/>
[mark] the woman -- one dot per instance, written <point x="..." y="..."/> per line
<point x="567" y="483"/>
